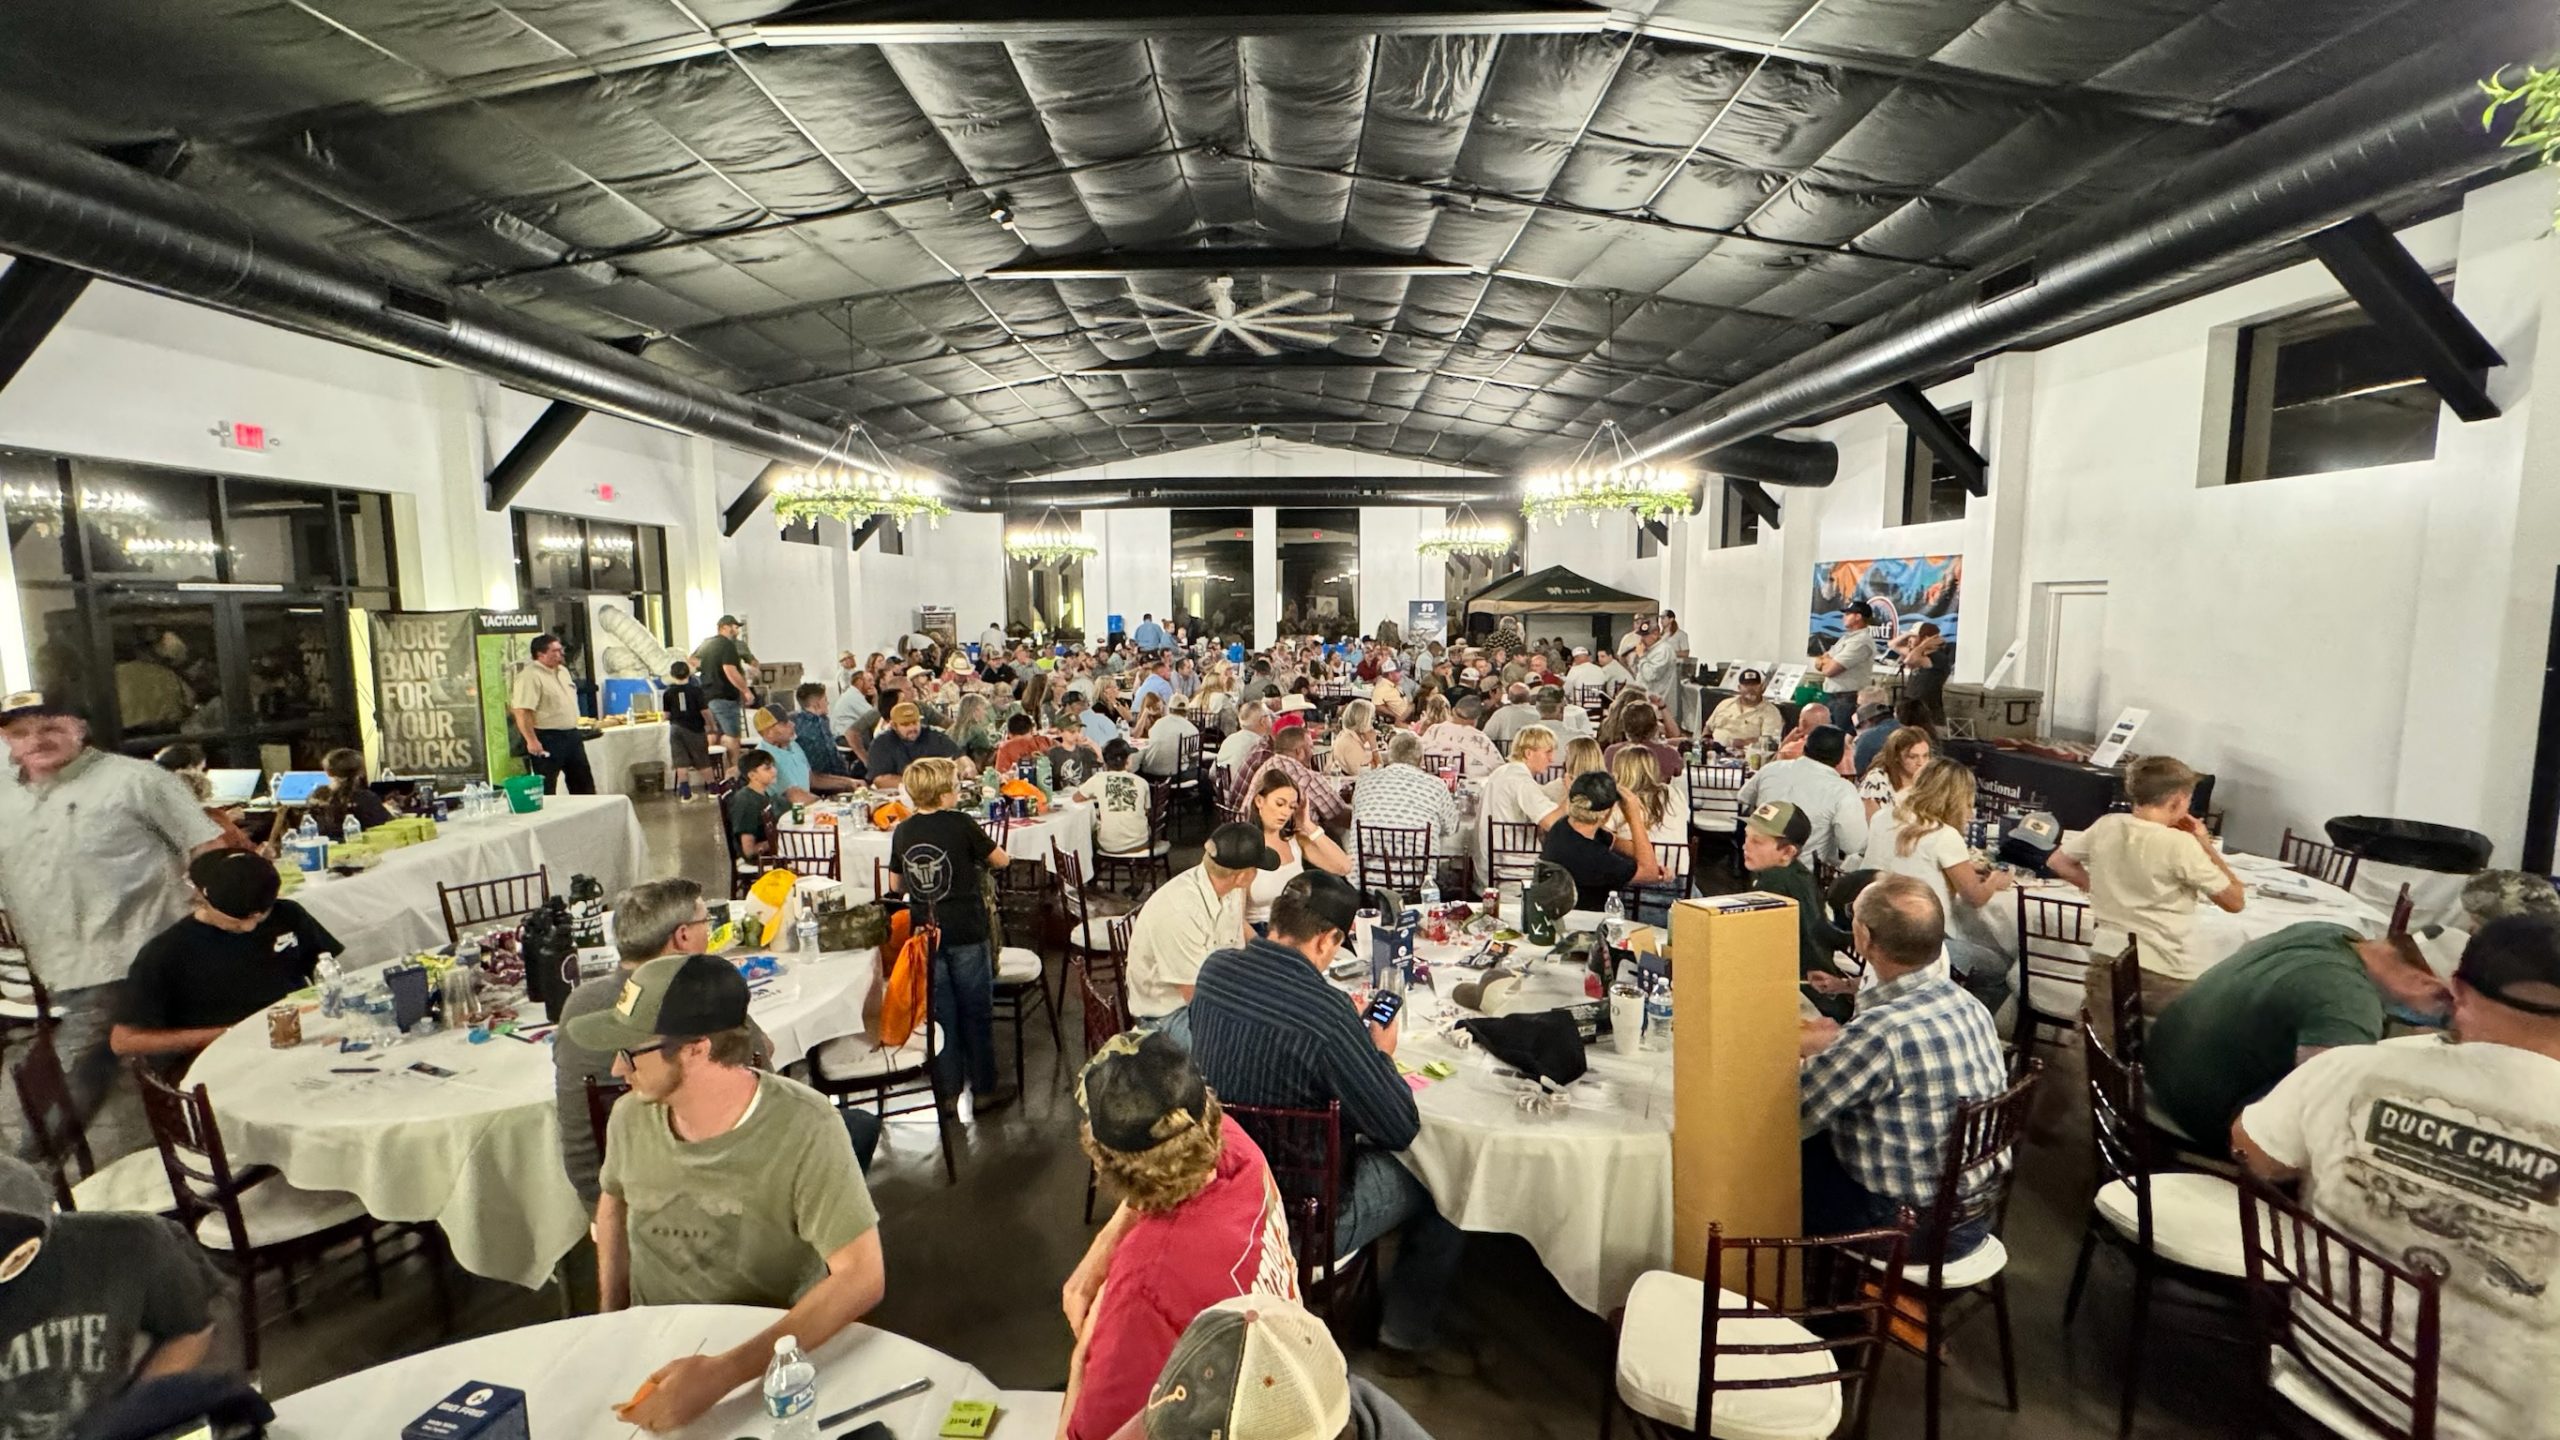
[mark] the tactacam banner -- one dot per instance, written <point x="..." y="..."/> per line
<point x="427" y="678"/>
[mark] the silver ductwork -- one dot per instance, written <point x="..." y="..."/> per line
<point x="2405" y="129"/>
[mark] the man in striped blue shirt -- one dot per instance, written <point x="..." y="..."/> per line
<point x="1880" y="1094"/>
<point x="1268" y="1029"/>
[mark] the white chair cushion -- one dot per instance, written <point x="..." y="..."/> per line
<point x="1015" y="965"/>
<point x="1963" y="1273"/>
<point x="859" y="1057"/>
<point x="2054" y="997"/>
<point x="1094" y="934"/>
<point x="2316" y="1397"/>
<point x="136" y="1182"/>
<point x="1658" y="1366"/>
<point x="2195" y="1220"/>
<point x="1161" y="847"/>
<point x="276" y="1212"/>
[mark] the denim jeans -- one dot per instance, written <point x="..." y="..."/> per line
<point x="964" y="986"/>
<point x="1983" y="970"/>
<point x="1381" y="1197"/>
<point x="1176" y="1024"/>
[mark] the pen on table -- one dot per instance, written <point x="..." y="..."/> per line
<point x="352" y="1070"/>
<point x="912" y="1387"/>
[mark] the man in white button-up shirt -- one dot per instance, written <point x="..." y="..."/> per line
<point x="1201" y="910"/>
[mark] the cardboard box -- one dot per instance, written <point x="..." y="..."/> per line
<point x="1733" y="1140"/>
<point x="474" y="1411"/>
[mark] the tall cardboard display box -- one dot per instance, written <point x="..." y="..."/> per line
<point x="1733" y="1138"/>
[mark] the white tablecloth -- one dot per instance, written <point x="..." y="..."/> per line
<point x="613" y="751"/>
<point x="478" y="1153"/>
<point x="391" y="910"/>
<point x="1069" y="827"/>
<point x="573" y="1372"/>
<point x="1589" y="1189"/>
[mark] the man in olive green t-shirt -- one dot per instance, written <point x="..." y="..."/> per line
<point x="722" y="1184"/>
<point x="2246" y="1023"/>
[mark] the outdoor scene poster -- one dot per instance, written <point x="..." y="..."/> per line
<point x="1902" y="592"/>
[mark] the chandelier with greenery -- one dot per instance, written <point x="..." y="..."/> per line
<point x="1048" y="543"/>
<point x="1466" y="535"/>
<point x="2535" y="126"/>
<point x="1608" y="477"/>
<point x="842" y="486"/>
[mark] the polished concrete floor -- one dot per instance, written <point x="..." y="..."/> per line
<point x="974" y="1270"/>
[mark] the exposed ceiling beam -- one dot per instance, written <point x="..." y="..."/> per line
<point x="1285" y="363"/>
<point x="1944" y="440"/>
<point x="1222" y="260"/>
<point x="2403" y="300"/>
<point x="863" y="532"/>
<point x="545" y="435"/>
<point x="752" y="499"/>
<point x="1242" y="419"/>
<point x="966" y="22"/>
<point x="34" y="296"/>
<point x="1754" y="499"/>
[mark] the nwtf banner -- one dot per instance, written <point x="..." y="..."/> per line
<point x="1901" y="592"/>
<point x="426" y="671"/>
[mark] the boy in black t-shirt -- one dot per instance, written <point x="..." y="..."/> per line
<point x="1772" y="837"/>
<point x="754" y="805"/>
<point x="240" y="951"/>
<point x="688" y="742"/>
<point x="940" y="859"/>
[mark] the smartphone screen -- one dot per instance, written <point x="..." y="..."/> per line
<point x="1383" y="1007"/>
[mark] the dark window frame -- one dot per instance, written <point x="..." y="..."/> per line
<point x="1737" y="524"/>
<point x="1930" y="486"/>
<point x="2257" y="366"/>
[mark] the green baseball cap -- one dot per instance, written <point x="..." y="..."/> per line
<point x="673" y="996"/>
<point x="1780" y="820"/>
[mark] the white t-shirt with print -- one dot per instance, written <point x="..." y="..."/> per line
<point x="2445" y="1157"/>
<point x="1119" y="811"/>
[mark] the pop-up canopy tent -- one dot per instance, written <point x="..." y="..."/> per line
<point x="1555" y="591"/>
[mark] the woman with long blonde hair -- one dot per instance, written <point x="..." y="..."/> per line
<point x="1582" y="755"/>
<point x="1922" y="835"/>
<point x="1662" y="807"/>
<point x="1355" y="745"/>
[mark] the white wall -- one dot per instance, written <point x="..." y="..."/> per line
<point x="2361" y="642"/>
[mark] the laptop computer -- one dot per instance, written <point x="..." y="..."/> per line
<point x="294" y="787"/>
<point x="233" y="787"/>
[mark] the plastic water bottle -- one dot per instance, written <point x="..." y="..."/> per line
<point x="804" y="933"/>
<point x="1430" y="892"/>
<point x="308" y="832"/>
<point x="791" y="1392"/>
<point x="350" y="830"/>
<point x="1657" y="1018"/>
<point x="1613" y="916"/>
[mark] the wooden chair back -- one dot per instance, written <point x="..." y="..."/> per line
<point x="1840" y="1288"/>
<point x="2339" y="1308"/>
<point x="1978" y="1165"/>
<point x="2053" y="946"/>
<point x="201" y="1179"/>
<point x="1512" y="849"/>
<point x="1305" y="1152"/>
<point x="53" y="1121"/>
<point x="2120" y="1136"/>
<point x="808" y="852"/>
<point x="1394" y="857"/>
<point x="601" y="1095"/>
<point x="1715" y="795"/>
<point x="475" y="903"/>
<point x="2317" y="859"/>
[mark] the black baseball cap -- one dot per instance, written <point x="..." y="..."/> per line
<point x="1750" y="677"/>
<point x="238" y="883"/>
<point x="1136" y="1080"/>
<point x="1238" y="846"/>
<point x="1331" y="898"/>
<point x="726" y="620"/>
<point x="673" y="996"/>
<point x="2515" y="961"/>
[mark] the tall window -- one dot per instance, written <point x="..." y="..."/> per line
<point x="1213" y="570"/>
<point x="1320" y="573"/>
<point x="1931" y="489"/>
<point x="172" y="605"/>
<point x="565" y="563"/>
<point x="1047" y="599"/>
<point x="2326" y="391"/>
<point x="1736" y="522"/>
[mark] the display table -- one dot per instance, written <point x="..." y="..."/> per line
<point x="476" y="1151"/>
<point x="1589" y="1189"/>
<point x="392" y="910"/>
<point x="573" y="1372"/>
<point x="2075" y="793"/>
<point x="1069" y="827"/>
<point x="612" y="751"/>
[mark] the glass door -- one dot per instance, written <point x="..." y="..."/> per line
<point x="247" y="676"/>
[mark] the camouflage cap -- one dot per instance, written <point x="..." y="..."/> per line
<point x="2496" y="894"/>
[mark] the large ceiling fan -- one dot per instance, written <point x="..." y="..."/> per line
<point x="1252" y="326"/>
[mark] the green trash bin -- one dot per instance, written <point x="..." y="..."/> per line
<point x="524" y="793"/>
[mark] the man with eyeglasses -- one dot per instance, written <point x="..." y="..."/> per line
<point x="722" y="1184"/>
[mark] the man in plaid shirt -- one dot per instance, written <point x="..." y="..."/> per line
<point x="1401" y="793"/>
<point x="1319" y="797"/>
<point x="1880" y="1094"/>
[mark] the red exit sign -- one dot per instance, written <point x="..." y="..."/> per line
<point x="243" y="435"/>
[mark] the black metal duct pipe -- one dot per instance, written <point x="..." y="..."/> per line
<point x="64" y="204"/>
<point x="2414" y="125"/>
<point x="1772" y="461"/>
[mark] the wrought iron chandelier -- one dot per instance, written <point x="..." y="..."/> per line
<point x="1048" y="544"/>
<point x="1612" y="479"/>
<point x="854" y="490"/>
<point x="1467" y="535"/>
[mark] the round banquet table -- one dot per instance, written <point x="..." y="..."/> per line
<point x="1067" y="825"/>
<point x="573" y="1372"/>
<point x="392" y="909"/>
<point x="476" y="1151"/>
<point x="1589" y="1189"/>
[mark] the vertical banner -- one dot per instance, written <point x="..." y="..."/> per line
<point x="1901" y="592"/>
<point x="1427" y="620"/>
<point x="501" y="641"/>
<point x="426" y="676"/>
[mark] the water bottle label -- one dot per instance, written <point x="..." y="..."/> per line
<point x="790" y="1402"/>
